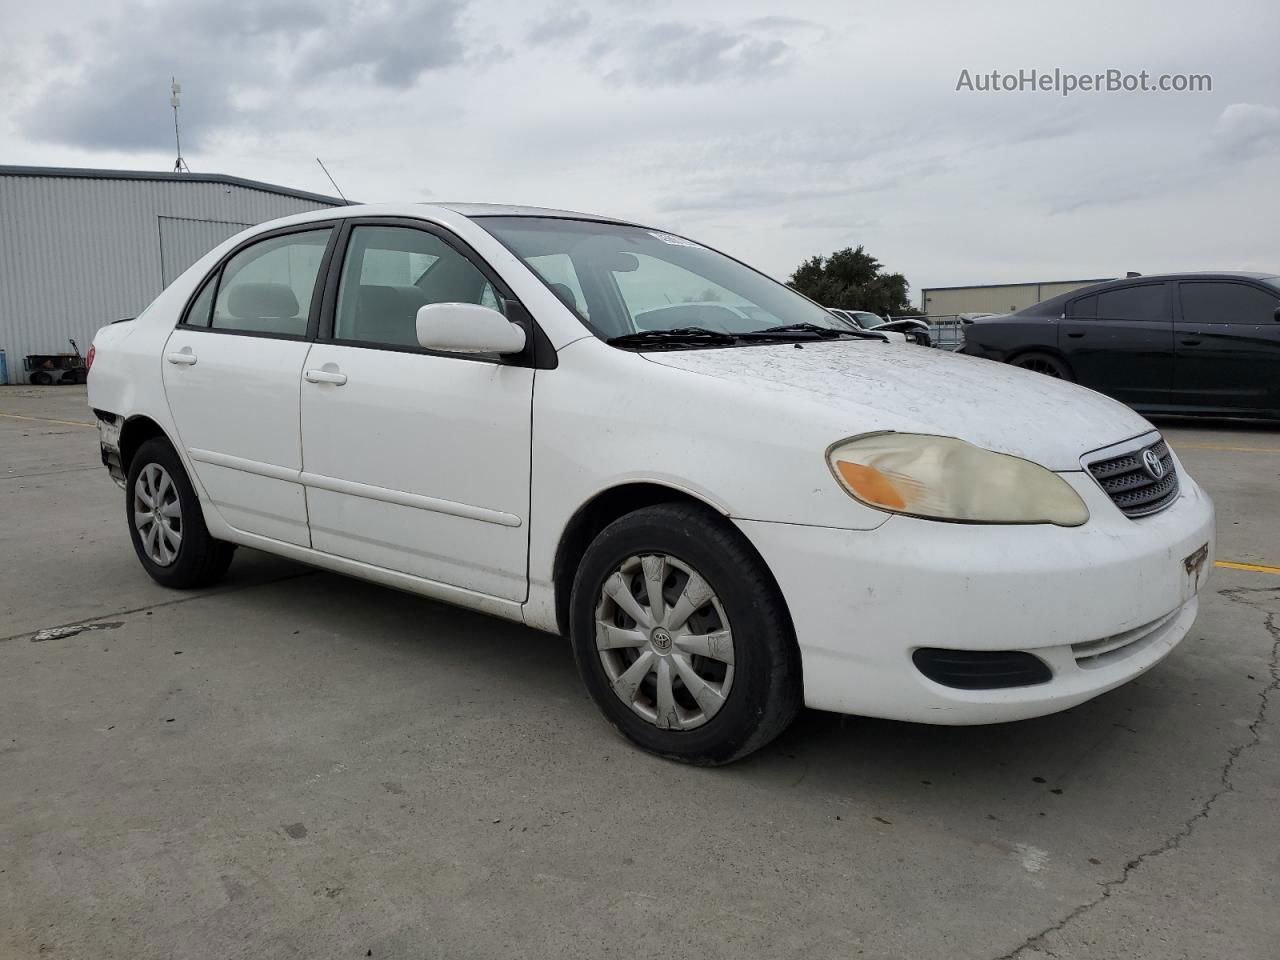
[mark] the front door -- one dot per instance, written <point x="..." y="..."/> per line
<point x="232" y="373"/>
<point x="413" y="461"/>
<point x="1227" y="346"/>
<point x="1120" y="342"/>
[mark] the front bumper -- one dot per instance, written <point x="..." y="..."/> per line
<point x="1100" y="603"/>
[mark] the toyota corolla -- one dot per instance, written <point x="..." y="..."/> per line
<point x="728" y="519"/>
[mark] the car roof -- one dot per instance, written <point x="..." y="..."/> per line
<point x="472" y="210"/>
<point x="1198" y="275"/>
<point x="1053" y="304"/>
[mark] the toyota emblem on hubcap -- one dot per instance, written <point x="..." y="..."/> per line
<point x="661" y="640"/>
<point x="1153" y="464"/>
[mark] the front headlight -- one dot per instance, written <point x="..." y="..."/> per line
<point x="942" y="478"/>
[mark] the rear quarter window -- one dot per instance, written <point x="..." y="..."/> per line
<point x="1134" y="303"/>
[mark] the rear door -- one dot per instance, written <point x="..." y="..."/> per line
<point x="416" y="461"/>
<point x="232" y="373"/>
<point x="1227" y="350"/>
<point x="1120" y="341"/>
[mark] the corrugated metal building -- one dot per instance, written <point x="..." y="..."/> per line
<point x="80" y="248"/>
<point x="994" y="297"/>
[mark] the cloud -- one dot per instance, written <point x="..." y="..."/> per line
<point x="559" y="24"/>
<point x="1247" y="130"/>
<point x="745" y="198"/>
<point x="679" y="54"/>
<point x="111" y="92"/>
<point x="396" y="41"/>
<point x="774" y="22"/>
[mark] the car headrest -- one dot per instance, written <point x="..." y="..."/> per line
<point x="565" y="293"/>
<point x="261" y="301"/>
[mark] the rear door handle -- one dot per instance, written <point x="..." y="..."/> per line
<point x="325" y="376"/>
<point x="1190" y="342"/>
<point x="184" y="359"/>
<point x="1077" y="335"/>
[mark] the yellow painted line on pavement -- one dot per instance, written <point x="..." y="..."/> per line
<point x="1212" y="446"/>
<point x="74" y="423"/>
<point x="1253" y="567"/>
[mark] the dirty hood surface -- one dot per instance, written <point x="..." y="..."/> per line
<point x="871" y="385"/>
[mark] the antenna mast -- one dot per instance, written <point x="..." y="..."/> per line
<point x="175" y="93"/>
<point x="331" y="180"/>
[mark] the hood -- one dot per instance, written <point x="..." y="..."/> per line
<point x="871" y="385"/>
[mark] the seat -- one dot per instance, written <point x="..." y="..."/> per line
<point x="271" y="307"/>
<point x="566" y="295"/>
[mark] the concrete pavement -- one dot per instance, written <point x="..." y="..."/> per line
<point x="294" y="764"/>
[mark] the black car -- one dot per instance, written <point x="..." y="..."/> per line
<point x="1201" y="343"/>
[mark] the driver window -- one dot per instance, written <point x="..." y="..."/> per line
<point x="389" y="272"/>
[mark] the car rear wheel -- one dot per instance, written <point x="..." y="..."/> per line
<point x="682" y="637"/>
<point x="41" y="379"/>
<point x="166" y="523"/>
<point x="1044" y="363"/>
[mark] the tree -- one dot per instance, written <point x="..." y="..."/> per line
<point x="853" y="280"/>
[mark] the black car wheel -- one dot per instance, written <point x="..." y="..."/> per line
<point x="166" y="522"/>
<point x="1044" y="363"/>
<point x="682" y="637"/>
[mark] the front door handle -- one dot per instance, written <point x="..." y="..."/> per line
<point x="184" y="359"/>
<point x="1190" y="342"/>
<point x="1077" y="335"/>
<point x="325" y="376"/>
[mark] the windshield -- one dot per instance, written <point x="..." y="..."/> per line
<point x="624" y="280"/>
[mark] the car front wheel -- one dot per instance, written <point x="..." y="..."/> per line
<point x="682" y="637"/>
<point x="166" y="523"/>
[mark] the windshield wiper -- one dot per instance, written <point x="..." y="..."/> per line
<point x="819" y="331"/>
<point x="677" y="337"/>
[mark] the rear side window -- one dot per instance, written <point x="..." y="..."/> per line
<point x="1085" y="308"/>
<point x="389" y="272"/>
<point x="1223" y="302"/>
<point x="267" y="288"/>
<point x="1133" y="303"/>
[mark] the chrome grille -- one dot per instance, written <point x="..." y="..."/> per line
<point x="1131" y="486"/>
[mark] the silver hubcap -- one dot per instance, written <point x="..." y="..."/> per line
<point x="664" y="641"/>
<point x="157" y="515"/>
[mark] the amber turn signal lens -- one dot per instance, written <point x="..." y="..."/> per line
<point x="871" y="485"/>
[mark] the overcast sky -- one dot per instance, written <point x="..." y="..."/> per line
<point x="773" y="131"/>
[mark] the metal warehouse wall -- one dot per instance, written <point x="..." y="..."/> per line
<point x="994" y="298"/>
<point x="77" y="253"/>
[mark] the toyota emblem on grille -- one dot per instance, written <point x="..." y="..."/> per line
<point x="1152" y="464"/>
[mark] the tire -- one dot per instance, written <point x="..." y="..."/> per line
<point x="707" y="567"/>
<point x="181" y="553"/>
<point x="41" y="379"/>
<point x="1045" y="363"/>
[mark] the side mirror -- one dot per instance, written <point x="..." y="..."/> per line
<point x="467" y="328"/>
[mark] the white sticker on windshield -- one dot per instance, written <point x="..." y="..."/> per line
<point x="673" y="240"/>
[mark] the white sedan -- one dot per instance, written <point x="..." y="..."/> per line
<point x="457" y="401"/>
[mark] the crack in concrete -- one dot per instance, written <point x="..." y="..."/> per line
<point x="167" y="603"/>
<point x="1271" y="623"/>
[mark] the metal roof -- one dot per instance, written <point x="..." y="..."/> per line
<point x="86" y="173"/>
